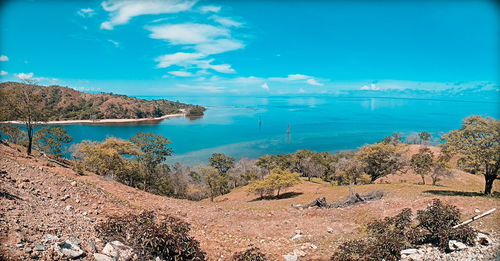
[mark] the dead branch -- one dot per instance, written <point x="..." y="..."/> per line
<point x="476" y="218"/>
<point x="353" y="199"/>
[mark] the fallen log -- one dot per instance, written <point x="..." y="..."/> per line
<point x="475" y="218"/>
<point x="352" y="200"/>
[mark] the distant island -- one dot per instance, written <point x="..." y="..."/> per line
<point x="66" y="105"/>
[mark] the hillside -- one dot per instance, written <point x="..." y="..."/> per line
<point x="63" y="103"/>
<point x="33" y="204"/>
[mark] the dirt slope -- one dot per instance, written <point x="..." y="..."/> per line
<point x="232" y="223"/>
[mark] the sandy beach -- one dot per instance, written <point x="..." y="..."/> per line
<point x="104" y="121"/>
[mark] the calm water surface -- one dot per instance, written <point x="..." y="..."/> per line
<point x="231" y="124"/>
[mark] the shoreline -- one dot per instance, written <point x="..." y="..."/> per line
<point x="103" y="121"/>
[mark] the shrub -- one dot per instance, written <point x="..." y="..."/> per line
<point x="251" y="254"/>
<point x="277" y="180"/>
<point x="387" y="237"/>
<point x="168" y="238"/>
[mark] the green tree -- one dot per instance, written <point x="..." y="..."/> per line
<point x="381" y="159"/>
<point x="477" y="143"/>
<point x="51" y="140"/>
<point x="22" y="104"/>
<point x="12" y="134"/>
<point x="216" y="183"/>
<point x="221" y="162"/>
<point x="107" y="158"/>
<point x="277" y="180"/>
<point x="154" y="151"/>
<point x="422" y="162"/>
<point x="424" y="136"/>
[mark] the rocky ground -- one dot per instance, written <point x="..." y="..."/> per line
<point x="47" y="211"/>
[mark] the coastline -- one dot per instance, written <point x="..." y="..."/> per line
<point x="103" y="121"/>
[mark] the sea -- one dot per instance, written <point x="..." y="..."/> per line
<point x="255" y="126"/>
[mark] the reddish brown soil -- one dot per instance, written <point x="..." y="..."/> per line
<point x="236" y="220"/>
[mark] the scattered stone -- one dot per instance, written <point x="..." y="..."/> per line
<point x="456" y="246"/>
<point x="20" y="245"/>
<point x="28" y="250"/>
<point x="73" y="183"/>
<point x="297" y="236"/>
<point x="119" y="250"/>
<point x="40" y="248"/>
<point x="329" y="230"/>
<point x="50" y="238"/>
<point x="68" y="249"/>
<point x="477" y="210"/>
<point x="409" y="251"/>
<point x="290" y="257"/>
<point x="69" y="208"/>
<point x="483" y="239"/>
<point x="65" y="197"/>
<point x="313" y="246"/>
<point x="101" y="257"/>
<point x="299" y="253"/>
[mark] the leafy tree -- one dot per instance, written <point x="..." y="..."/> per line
<point x="154" y="151"/>
<point x="348" y="171"/>
<point x="477" y="144"/>
<point x="216" y="183"/>
<point x="107" y="158"/>
<point x="422" y="162"/>
<point x="277" y="180"/>
<point x="52" y="139"/>
<point x="424" y="136"/>
<point x="381" y="159"/>
<point x="244" y="171"/>
<point x="12" y="134"/>
<point x="22" y="103"/>
<point x="221" y="162"/>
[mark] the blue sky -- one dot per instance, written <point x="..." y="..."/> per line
<point x="189" y="47"/>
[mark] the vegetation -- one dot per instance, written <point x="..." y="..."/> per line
<point x="387" y="237"/>
<point x="277" y="180"/>
<point x="150" y="238"/>
<point x="216" y="182"/>
<point x="51" y="140"/>
<point x="56" y="103"/>
<point x="221" y="162"/>
<point x="381" y="159"/>
<point x="477" y="144"/>
<point x="422" y="162"/>
<point x="23" y="103"/>
<point x="195" y="111"/>
<point x="251" y="254"/>
<point x="12" y="134"/>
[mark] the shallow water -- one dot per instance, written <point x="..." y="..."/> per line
<point x="231" y="124"/>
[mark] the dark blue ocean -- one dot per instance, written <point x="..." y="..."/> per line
<point x="252" y="127"/>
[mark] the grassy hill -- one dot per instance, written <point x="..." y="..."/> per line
<point x="63" y="103"/>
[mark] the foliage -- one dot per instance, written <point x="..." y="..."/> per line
<point x="106" y="158"/>
<point x="277" y="180"/>
<point x="381" y="159"/>
<point x="22" y="103"/>
<point x="216" y="183"/>
<point x="221" y="162"/>
<point x="251" y="254"/>
<point x="12" y="134"/>
<point x="477" y="144"/>
<point x="51" y="140"/>
<point x="154" y="151"/>
<point x="243" y="172"/>
<point x="387" y="237"/>
<point x="422" y="162"/>
<point x="424" y="136"/>
<point x="350" y="171"/>
<point x="167" y="238"/>
<point x="195" y="111"/>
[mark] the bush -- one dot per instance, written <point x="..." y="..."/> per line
<point x="387" y="237"/>
<point x="168" y="239"/>
<point x="251" y="254"/>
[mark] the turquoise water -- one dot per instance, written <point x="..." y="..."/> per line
<point x="231" y="124"/>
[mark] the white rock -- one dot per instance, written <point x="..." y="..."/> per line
<point x="68" y="249"/>
<point x="313" y="246"/>
<point x="101" y="257"/>
<point x="119" y="250"/>
<point x="455" y="245"/>
<point x="290" y="257"/>
<point x="297" y="236"/>
<point x="409" y="251"/>
<point x="477" y="210"/>
<point x="483" y="239"/>
<point x="329" y="230"/>
<point x="299" y="253"/>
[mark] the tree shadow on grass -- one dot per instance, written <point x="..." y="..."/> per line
<point x="495" y="194"/>
<point x="282" y="196"/>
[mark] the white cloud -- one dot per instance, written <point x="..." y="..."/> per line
<point x="4" y="58"/>
<point x="219" y="46"/>
<point x="210" y="8"/>
<point x="86" y="12"/>
<point x="293" y="77"/>
<point x="187" y="33"/>
<point x="115" y="43"/>
<point x="214" y="89"/>
<point x="3" y="73"/>
<point x="222" y="68"/>
<point x="180" y="58"/>
<point x="121" y="11"/>
<point x="226" y="21"/>
<point x="312" y="81"/>
<point x="372" y="87"/>
<point x="265" y="86"/>
<point x="23" y="76"/>
<point x="181" y="73"/>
